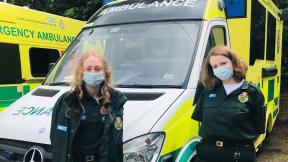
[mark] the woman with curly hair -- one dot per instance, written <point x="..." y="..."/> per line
<point x="87" y="122"/>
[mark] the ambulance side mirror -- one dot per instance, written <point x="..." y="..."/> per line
<point x="51" y="65"/>
<point x="283" y="14"/>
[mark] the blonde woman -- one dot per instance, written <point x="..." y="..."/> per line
<point x="230" y="109"/>
<point x="87" y="121"/>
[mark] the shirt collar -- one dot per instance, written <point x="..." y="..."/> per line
<point x="87" y="96"/>
<point x="244" y="86"/>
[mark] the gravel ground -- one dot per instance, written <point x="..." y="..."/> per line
<point x="275" y="148"/>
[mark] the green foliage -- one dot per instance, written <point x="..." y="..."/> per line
<point x="77" y="9"/>
<point x="283" y="4"/>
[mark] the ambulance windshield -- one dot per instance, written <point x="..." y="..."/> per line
<point x="156" y="54"/>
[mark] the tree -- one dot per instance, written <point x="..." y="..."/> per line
<point x="283" y="4"/>
<point x="77" y="9"/>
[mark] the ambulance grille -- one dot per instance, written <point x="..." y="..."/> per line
<point x="15" y="150"/>
<point x="45" y="92"/>
<point x="142" y="96"/>
<point x="24" y="144"/>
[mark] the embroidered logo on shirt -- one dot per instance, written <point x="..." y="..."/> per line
<point x="243" y="97"/>
<point x="62" y="128"/>
<point x="118" y="123"/>
<point x="212" y="95"/>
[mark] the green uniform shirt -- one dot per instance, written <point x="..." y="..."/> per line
<point x="239" y="115"/>
<point x="88" y="137"/>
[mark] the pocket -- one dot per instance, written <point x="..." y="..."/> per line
<point x="239" y="112"/>
<point x="240" y="106"/>
<point x="210" y="105"/>
<point x="210" y="111"/>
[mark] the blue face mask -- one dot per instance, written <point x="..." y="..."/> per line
<point x="223" y="73"/>
<point x="93" y="79"/>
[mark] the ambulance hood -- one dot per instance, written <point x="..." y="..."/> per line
<point x="29" y="118"/>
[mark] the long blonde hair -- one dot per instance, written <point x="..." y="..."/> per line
<point x="78" y="83"/>
<point x="209" y="80"/>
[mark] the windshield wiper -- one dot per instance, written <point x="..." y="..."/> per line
<point x="147" y="86"/>
<point x="59" y="83"/>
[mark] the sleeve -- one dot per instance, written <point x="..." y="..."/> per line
<point x="121" y="100"/>
<point x="55" y="111"/>
<point x="198" y="111"/>
<point x="259" y="113"/>
<point x="119" y="134"/>
<point x="199" y="89"/>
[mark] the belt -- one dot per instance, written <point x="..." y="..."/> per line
<point x="228" y="143"/>
<point x="86" y="157"/>
<point x="90" y="157"/>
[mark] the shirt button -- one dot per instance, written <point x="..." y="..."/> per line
<point x="68" y="155"/>
<point x="72" y="131"/>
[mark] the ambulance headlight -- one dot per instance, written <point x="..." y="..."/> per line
<point x="145" y="148"/>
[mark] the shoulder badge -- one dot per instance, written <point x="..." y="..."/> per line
<point x="118" y="123"/>
<point x="243" y="97"/>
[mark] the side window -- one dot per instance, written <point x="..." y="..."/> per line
<point x="257" y="37"/>
<point x="40" y="58"/>
<point x="10" y="66"/>
<point x="271" y="37"/>
<point x="217" y="36"/>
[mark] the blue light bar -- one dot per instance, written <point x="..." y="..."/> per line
<point x="235" y="8"/>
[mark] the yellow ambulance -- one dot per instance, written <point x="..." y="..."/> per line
<point x="29" y="41"/>
<point x="156" y="49"/>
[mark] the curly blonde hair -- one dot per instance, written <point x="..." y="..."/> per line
<point x="207" y="77"/>
<point x="78" y="83"/>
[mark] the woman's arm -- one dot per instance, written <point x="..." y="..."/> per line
<point x="55" y="111"/>
<point x="259" y="113"/>
<point x="198" y="112"/>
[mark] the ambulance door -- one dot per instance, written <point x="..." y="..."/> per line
<point x="11" y="78"/>
<point x="215" y="32"/>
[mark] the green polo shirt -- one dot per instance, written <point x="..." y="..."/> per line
<point x="239" y="115"/>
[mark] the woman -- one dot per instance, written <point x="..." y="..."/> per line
<point x="231" y="110"/>
<point x="87" y="121"/>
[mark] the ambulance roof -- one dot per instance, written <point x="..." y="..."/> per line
<point x="148" y="10"/>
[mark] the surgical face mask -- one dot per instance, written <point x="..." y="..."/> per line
<point x="223" y="73"/>
<point x="93" y="79"/>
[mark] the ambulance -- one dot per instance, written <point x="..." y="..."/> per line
<point x="156" y="49"/>
<point x="29" y="41"/>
